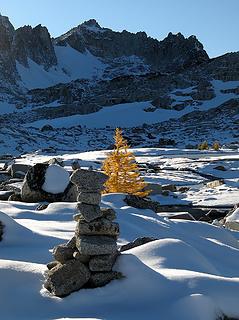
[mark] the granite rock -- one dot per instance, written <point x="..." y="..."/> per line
<point x="89" y="212"/>
<point x="82" y="258"/>
<point x="108" y="213"/>
<point x="89" y="198"/>
<point x="52" y="264"/>
<point x="100" y="226"/>
<point x="88" y="179"/>
<point x="63" y="253"/>
<point x="96" y="245"/>
<point x="67" y="278"/>
<point x="100" y="279"/>
<point x="103" y="263"/>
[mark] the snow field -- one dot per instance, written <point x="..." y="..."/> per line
<point x="183" y="275"/>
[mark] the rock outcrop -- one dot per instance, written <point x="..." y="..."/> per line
<point x="7" y="65"/>
<point x="142" y="203"/>
<point x="88" y="258"/>
<point x="35" y="44"/>
<point x="136" y="243"/>
<point x="20" y="45"/>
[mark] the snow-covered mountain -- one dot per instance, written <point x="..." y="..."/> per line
<point x="65" y="92"/>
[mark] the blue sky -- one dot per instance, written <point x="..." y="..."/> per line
<point x="214" y="22"/>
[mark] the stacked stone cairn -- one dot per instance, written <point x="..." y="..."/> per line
<point x="86" y="261"/>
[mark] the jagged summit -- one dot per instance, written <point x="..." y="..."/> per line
<point x="90" y="23"/>
<point x="173" y="53"/>
<point x="5" y="22"/>
<point x="35" y="44"/>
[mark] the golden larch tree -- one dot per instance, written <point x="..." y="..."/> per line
<point x="122" y="169"/>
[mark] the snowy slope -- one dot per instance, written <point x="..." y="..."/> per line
<point x="6" y="108"/>
<point x="128" y="115"/>
<point x="182" y="276"/>
<point x="71" y="65"/>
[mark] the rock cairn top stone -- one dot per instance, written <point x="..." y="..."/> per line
<point x="88" y="258"/>
<point x="89" y="180"/>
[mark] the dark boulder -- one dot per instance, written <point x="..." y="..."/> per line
<point x="142" y="203"/>
<point x="136" y="243"/>
<point x="32" y="187"/>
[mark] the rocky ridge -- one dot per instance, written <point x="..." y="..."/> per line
<point x="172" y="53"/>
<point x="159" y="72"/>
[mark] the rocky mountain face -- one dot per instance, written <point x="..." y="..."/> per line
<point x="115" y="49"/>
<point x="17" y="46"/>
<point x="35" y="44"/>
<point x="91" y="68"/>
<point x="7" y="63"/>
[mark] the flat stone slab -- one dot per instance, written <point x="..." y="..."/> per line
<point x="67" y="278"/>
<point x="82" y="258"/>
<point x="63" y="253"/>
<point x="108" y="213"/>
<point x="103" y="263"/>
<point x="88" y="179"/>
<point x="88" y="211"/>
<point x="100" y="279"/>
<point x="96" y="245"/>
<point x="100" y="226"/>
<point x="89" y="198"/>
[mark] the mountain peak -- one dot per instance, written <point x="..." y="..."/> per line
<point x="91" y="23"/>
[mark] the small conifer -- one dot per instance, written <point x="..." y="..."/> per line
<point x="122" y="169"/>
<point x="216" y="146"/>
<point x="203" y="146"/>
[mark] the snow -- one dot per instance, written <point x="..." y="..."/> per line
<point x="174" y="165"/>
<point x="6" y="108"/>
<point x="56" y="179"/>
<point x="183" y="275"/>
<point x="71" y="65"/>
<point x="79" y="65"/>
<point x="123" y="115"/>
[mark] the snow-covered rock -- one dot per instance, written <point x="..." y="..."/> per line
<point x="45" y="182"/>
<point x="56" y="179"/>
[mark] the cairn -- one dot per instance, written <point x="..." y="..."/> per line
<point x="88" y="258"/>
